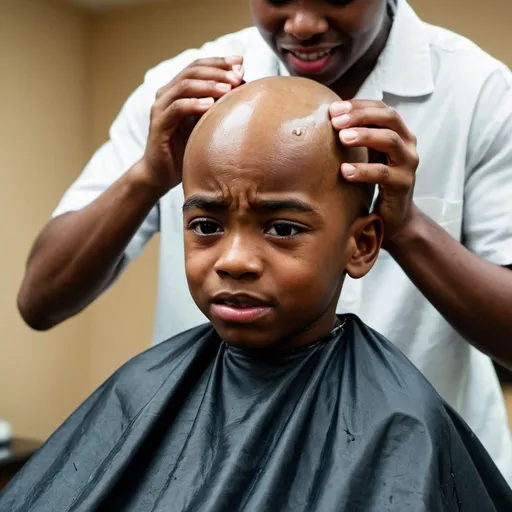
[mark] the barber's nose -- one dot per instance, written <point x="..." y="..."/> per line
<point x="304" y="24"/>
<point x="239" y="259"/>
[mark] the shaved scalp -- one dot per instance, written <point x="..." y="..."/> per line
<point x="277" y="119"/>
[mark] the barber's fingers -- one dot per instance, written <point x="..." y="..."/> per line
<point x="219" y="62"/>
<point x="396" y="179"/>
<point x="384" y="141"/>
<point x="193" y="91"/>
<point x="192" y="88"/>
<point x="368" y="113"/>
<point x="190" y="97"/>
<point x="181" y="108"/>
<point x="231" y="76"/>
<point x="344" y="107"/>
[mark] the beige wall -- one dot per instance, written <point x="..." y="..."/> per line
<point x="43" y="143"/>
<point x="65" y="77"/>
<point x="486" y="23"/>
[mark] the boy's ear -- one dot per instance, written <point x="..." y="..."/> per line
<point x="364" y="245"/>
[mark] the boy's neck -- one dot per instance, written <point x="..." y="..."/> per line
<point x="312" y="334"/>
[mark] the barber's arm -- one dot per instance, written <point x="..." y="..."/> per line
<point x="81" y="251"/>
<point x="78" y="254"/>
<point x="474" y="295"/>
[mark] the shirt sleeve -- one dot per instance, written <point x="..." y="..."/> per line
<point x="126" y="144"/>
<point x="487" y="224"/>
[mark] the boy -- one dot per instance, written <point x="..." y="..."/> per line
<point x="279" y="405"/>
<point x="441" y="291"/>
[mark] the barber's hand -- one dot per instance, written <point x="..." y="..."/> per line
<point x="177" y="109"/>
<point x="393" y="158"/>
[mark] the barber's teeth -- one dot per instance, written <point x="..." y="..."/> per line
<point x="311" y="56"/>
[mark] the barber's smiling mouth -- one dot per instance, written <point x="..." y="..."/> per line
<point x="239" y="307"/>
<point x="310" y="60"/>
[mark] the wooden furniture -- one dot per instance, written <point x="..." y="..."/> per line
<point x="13" y="456"/>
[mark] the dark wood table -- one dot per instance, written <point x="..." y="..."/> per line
<point x="13" y="456"/>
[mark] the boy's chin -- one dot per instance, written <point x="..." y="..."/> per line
<point x="247" y="337"/>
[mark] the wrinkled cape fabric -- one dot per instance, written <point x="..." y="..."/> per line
<point x="196" y="425"/>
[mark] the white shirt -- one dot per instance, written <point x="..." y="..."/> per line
<point x="457" y="100"/>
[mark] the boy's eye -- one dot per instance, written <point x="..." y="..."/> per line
<point x="284" y="230"/>
<point x="203" y="227"/>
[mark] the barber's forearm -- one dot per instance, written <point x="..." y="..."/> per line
<point x="77" y="254"/>
<point x="473" y="295"/>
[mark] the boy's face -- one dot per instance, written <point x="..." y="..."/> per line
<point x="320" y="39"/>
<point x="270" y="232"/>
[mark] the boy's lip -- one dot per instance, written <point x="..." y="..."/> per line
<point x="238" y="315"/>
<point x="239" y="307"/>
<point x="240" y="300"/>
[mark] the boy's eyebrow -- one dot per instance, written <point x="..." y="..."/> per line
<point x="204" y="203"/>
<point x="269" y="205"/>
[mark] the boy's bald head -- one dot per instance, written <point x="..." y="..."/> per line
<point x="271" y="227"/>
<point x="284" y="122"/>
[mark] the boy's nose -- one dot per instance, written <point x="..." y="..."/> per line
<point x="304" y="24"/>
<point x="239" y="259"/>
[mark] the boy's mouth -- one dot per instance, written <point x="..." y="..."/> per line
<point x="239" y="307"/>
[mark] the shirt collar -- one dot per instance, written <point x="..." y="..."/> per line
<point x="404" y="67"/>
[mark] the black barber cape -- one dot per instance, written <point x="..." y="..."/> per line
<point x="347" y="424"/>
